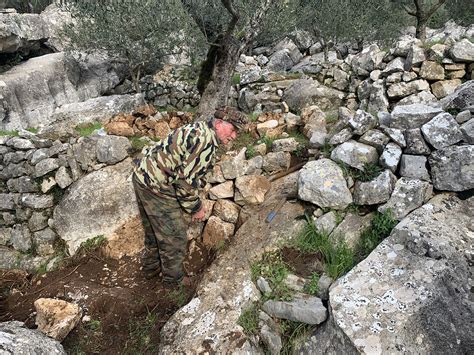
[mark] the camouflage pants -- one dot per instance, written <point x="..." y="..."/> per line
<point x="165" y="231"/>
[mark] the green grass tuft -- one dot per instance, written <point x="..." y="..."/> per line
<point x="268" y="141"/>
<point x="248" y="320"/>
<point x="292" y="333"/>
<point x="236" y="79"/>
<point x="91" y="244"/>
<point x="32" y="130"/>
<point x="253" y="116"/>
<point x="380" y="228"/>
<point x="275" y="271"/>
<point x="9" y="133"/>
<point x="251" y="152"/>
<point x="86" y="129"/>
<point x="369" y="172"/>
<point x="138" y="143"/>
<point x="338" y="257"/>
<point x="140" y="333"/>
<point x="312" y="287"/>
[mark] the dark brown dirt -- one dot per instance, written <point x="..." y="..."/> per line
<point x="124" y="311"/>
<point x="303" y="264"/>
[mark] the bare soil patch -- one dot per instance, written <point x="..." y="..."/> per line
<point x="124" y="311"/>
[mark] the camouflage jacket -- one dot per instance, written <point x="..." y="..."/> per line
<point x="176" y="165"/>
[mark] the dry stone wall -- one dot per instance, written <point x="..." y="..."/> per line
<point x="35" y="174"/>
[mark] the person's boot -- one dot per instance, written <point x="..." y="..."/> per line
<point x="151" y="263"/>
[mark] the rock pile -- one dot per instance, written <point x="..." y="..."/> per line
<point x="35" y="174"/>
<point x="372" y="79"/>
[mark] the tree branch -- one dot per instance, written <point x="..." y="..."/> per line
<point x="208" y="29"/>
<point x="251" y="29"/>
<point x="228" y="4"/>
<point x="435" y="8"/>
<point x="408" y="10"/>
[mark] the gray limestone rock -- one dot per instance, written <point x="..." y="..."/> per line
<point x="463" y="51"/>
<point x="452" y="168"/>
<point x="408" y="195"/>
<point x="20" y="143"/>
<point x="7" y="201"/>
<point x="305" y="92"/>
<point x="369" y="59"/>
<point x="419" y="278"/>
<point x="403" y="89"/>
<point x="38" y="220"/>
<point x="318" y="139"/>
<point x="270" y="333"/>
<point x="395" y="135"/>
<point x="14" y="157"/>
<point x="285" y="145"/>
<point x="112" y="149"/>
<point x="376" y="139"/>
<point x="351" y="228"/>
<point x="467" y="130"/>
<point x="85" y="151"/>
<point x="412" y="116"/>
<point x="415" y="56"/>
<point x="5" y="236"/>
<point x="44" y="241"/>
<point x="362" y="121"/>
<point x="63" y="178"/>
<point x="376" y="191"/>
<point x="415" y="143"/>
<point x="461" y="98"/>
<point x="46" y="166"/>
<point x="22" y="184"/>
<point x="394" y="66"/>
<point x="21" y="238"/>
<point x="432" y="71"/>
<point x="264" y="286"/>
<point x="443" y="88"/>
<point x="324" y="283"/>
<point x="39" y="155"/>
<point x="463" y="116"/>
<point x="16" y="338"/>
<point x="327" y="222"/>
<point x="341" y="137"/>
<point x="415" y="167"/>
<point x="37" y="201"/>
<point x="276" y="161"/>
<point x="309" y="310"/>
<point x="442" y="131"/>
<point x="322" y="182"/>
<point x="355" y="154"/>
<point x="113" y="199"/>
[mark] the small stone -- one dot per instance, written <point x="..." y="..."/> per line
<point x="355" y="154"/>
<point x="443" y="88"/>
<point x="362" y="122"/>
<point x="45" y="166"/>
<point x="326" y="222"/>
<point x="63" y="179"/>
<point x="341" y="137"/>
<point x="37" y="201"/>
<point x="276" y="161"/>
<point x="251" y="189"/>
<point x="264" y="286"/>
<point x="375" y="191"/>
<point x="48" y="184"/>
<point x="351" y="228"/>
<point x="318" y="139"/>
<point x="44" y="241"/>
<point x="285" y="145"/>
<point x="432" y="71"/>
<point x="416" y="145"/>
<point x="467" y="130"/>
<point x="226" y="210"/>
<point x="376" y="139"/>
<point x="463" y="116"/>
<point x="224" y="190"/>
<point x="309" y="310"/>
<point x="395" y="135"/>
<point x="442" y="131"/>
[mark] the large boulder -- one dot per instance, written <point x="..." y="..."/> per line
<point x="56" y="80"/>
<point x="99" y="109"/>
<point x="322" y="182"/>
<point x="411" y="294"/>
<point x="452" y="168"/>
<point x="95" y="205"/>
<point x="27" y="32"/>
<point x="463" y="51"/>
<point x="16" y="338"/>
<point x="305" y="92"/>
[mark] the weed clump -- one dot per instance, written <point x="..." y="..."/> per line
<point x="337" y="256"/>
<point x="380" y="228"/>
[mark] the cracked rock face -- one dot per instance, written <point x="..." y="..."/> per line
<point x="411" y="294"/>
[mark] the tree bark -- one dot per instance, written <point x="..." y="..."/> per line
<point x="421" y="29"/>
<point x="217" y="86"/>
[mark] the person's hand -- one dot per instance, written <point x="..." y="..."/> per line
<point x="199" y="215"/>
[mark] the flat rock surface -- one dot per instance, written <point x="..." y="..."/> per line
<point x="411" y="294"/>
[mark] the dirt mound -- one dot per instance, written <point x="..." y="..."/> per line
<point x="124" y="312"/>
